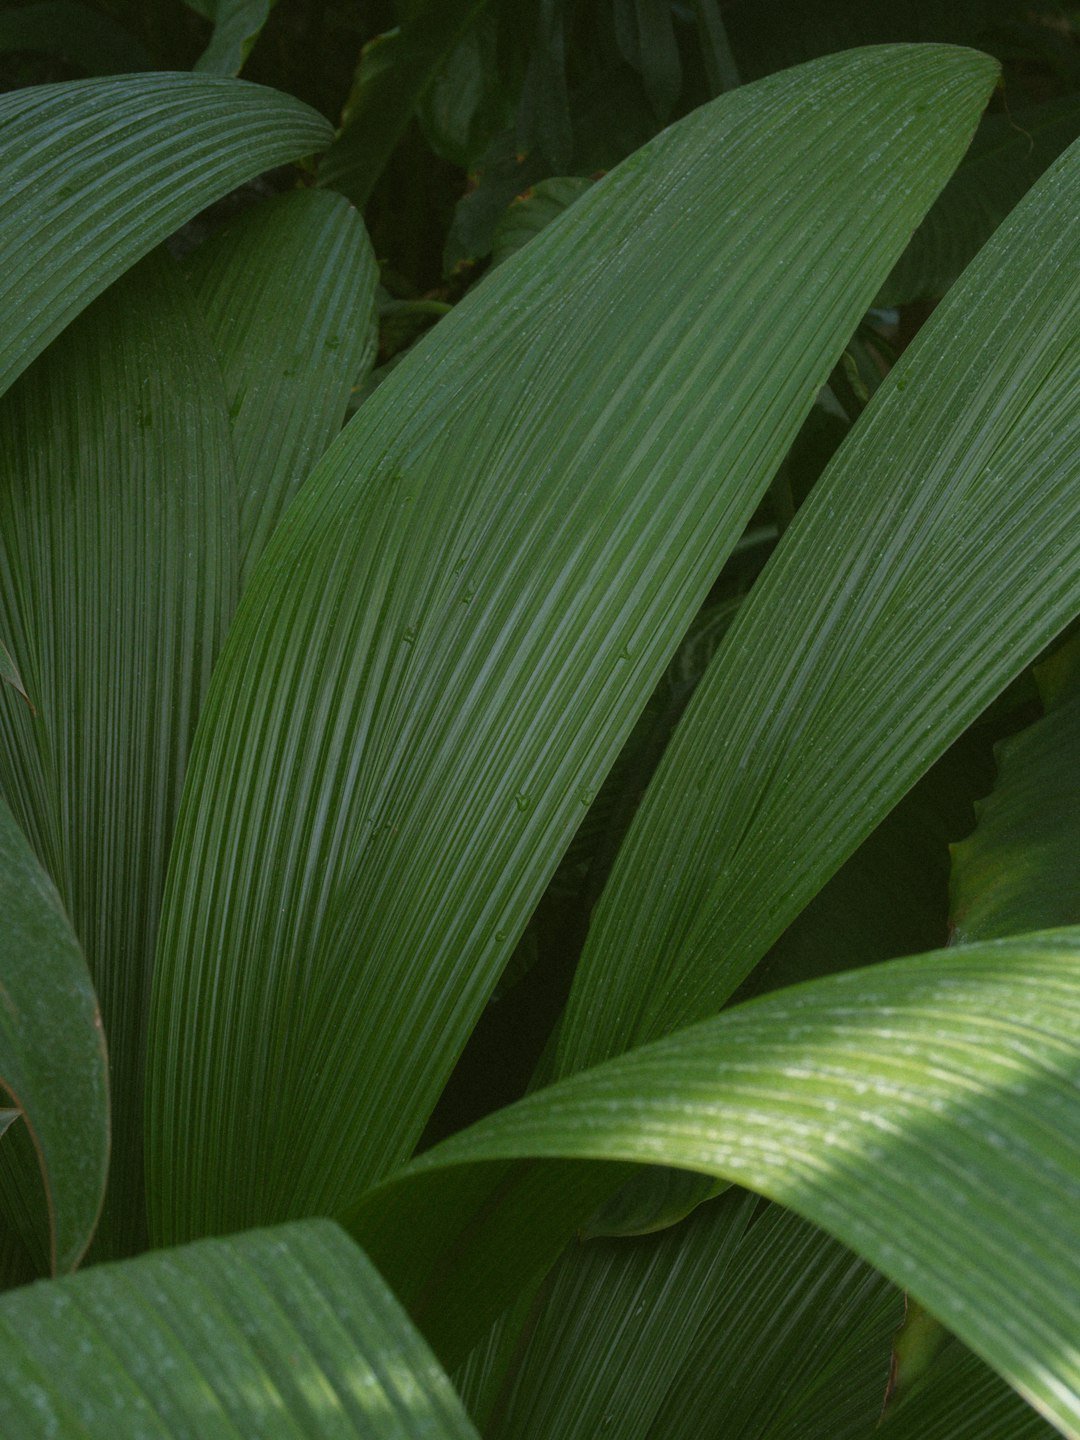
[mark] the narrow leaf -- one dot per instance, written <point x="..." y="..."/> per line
<point x="453" y="629"/>
<point x="287" y="1332"/>
<point x="921" y="1111"/>
<point x="237" y="24"/>
<point x="936" y="556"/>
<point x="117" y="577"/>
<point x="95" y="172"/>
<point x="287" y="292"/>
<point x="52" y="1050"/>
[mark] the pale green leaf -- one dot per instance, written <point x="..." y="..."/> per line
<point x="921" y="1111"/>
<point x="117" y="577"/>
<point x="94" y="173"/>
<point x="287" y="292"/>
<point x="52" y="1051"/>
<point x="454" y="627"/>
<point x="285" y="1333"/>
<point x="936" y="556"/>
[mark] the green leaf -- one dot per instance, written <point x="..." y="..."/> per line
<point x="9" y="673"/>
<point x="288" y="293"/>
<point x="287" y="1332"/>
<point x="52" y="1050"/>
<point x="77" y="34"/>
<point x="94" y="173"/>
<point x="936" y="556"/>
<point x="117" y="578"/>
<point x="453" y="629"/>
<point x="395" y="71"/>
<point x="534" y="209"/>
<point x="1007" y="156"/>
<point x="237" y="24"/>
<point x="960" y="1398"/>
<point x="1018" y="870"/>
<point x="707" y="1329"/>
<point x="921" y="1111"/>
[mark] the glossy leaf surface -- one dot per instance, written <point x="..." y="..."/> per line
<point x="453" y="629"/>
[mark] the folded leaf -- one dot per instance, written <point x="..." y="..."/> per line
<point x="93" y="173"/>
<point x="117" y="577"/>
<point x="454" y="627"/>
<point x="52" y="1050"/>
<point x="922" y="1111"/>
<point x="287" y="292"/>
<point x="287" y="1333"/>
<point x="936" y="556"/>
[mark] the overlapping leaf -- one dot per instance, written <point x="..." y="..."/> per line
<point x="454" y="627"/>
<point x="117" y="576"/>
<point x="921" y="1111"/>
<point x="288" y="1333"/>
<point x="937" y="555"/>
<point x="287" y="293"/>
<point x="52" y="1052"/>
<point x="237" y="24"/>
<point x="95" y="172"/>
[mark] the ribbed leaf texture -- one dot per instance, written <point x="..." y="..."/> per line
<point x="936" y="556"/>
<point x="117" y="576"/>
<point x="287" y="1333"/>
<point x="52" y="1050"/>
<point x="921" y="1111"/>
<point x="451" y="633"/>
<point x="287" y="292"/>
<point x="93" y="173"/>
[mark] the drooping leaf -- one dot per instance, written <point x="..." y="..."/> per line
<point x="287" y="292"/>
<point x="395" y="71"/>
<point x="237" y="24"/>
<point x="1007" y="156"/>
<point x="287" y="1333"/>
<point x="89" y="39"/>
<point x="921" y="1111"/>
<point x="117" y="577"/>
<point x="454" y="627"/>
<point x="936" y="556"/>
<point x="1019" y="868"/>
<point x="52" y="1052"/>
<point x="94" y="173"/>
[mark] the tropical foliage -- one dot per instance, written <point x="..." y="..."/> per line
<point x="540" y="719"/>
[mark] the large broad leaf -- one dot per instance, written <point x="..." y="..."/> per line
<point x="451" y="633"/>
<point x="287" y="1333"/>
<point x="52" y="1051"/>
<point x="287" y="292"/>
<point x="936" y="556"/>
<point x="1019" y="868"/>
<point x="117" y="577"/>
<point x="706" y="1329"/>
<point x="94" y="173"/>
<point x="922" y="1111"/>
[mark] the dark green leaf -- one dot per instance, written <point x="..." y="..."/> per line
<point x="455" y="626"/>
<point x="236" y="28"/>
<point x="83" y="37"/>
<point x="94" y="173"/>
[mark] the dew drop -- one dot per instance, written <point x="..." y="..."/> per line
<point x="523" y="802"/>
<point x="409" y="635"/>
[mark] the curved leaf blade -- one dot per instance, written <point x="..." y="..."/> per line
<point x="919" y="1111"/>
<point x="950" y="519"/>
<point x="454" y="627"/>
<point x="287" y="293"/>
<point x="52" y="1048"/>
<point x="286" y="1332"/>
<point x="117" y="579"/>
<point x="93" y="173"/>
